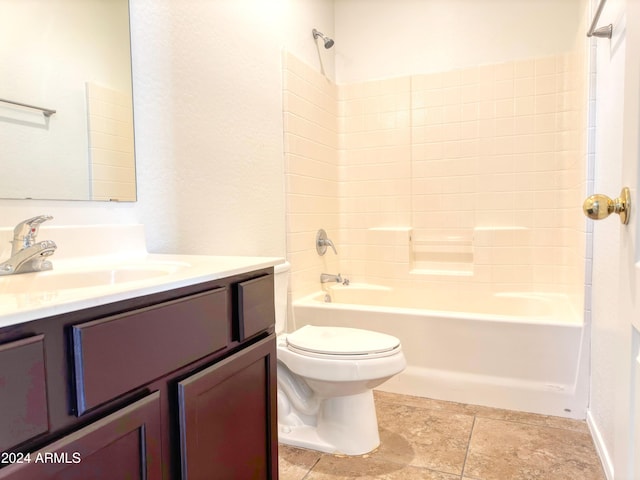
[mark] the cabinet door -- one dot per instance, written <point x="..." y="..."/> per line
<point x="123" y="445"/>
<point x="228" y="424"/>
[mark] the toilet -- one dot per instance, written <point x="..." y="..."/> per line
<point x="326" y="377"/>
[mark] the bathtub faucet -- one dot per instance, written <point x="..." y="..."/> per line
<point x="327" y="277"/>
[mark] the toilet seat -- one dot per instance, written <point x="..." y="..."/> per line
<point x="341" y="343"/>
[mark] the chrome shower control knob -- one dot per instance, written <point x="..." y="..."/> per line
<point x="600" y="206"/>
<point x="322" y="242"/>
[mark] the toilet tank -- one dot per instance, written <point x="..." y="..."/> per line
<point x="281" y="286"/>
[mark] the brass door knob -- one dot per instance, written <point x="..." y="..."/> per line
<point x="600" y="206"/>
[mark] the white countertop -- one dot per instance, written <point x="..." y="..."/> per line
<point x="192" y="269"/>
<point x="70" y="286"/>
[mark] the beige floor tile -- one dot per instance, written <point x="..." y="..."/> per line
<point x="422" y="402"/>
<point x="423" y="437"/>
<point x="511" y="450"/>
<point x="368" y="468"/>
<point x="294" y="463"/>
<point x="481" y="411"/>
<point x="528" y="418"/>
<point x="429" y="439"/>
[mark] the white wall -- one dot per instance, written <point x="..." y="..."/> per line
<point x="379" y="39"/>
<point x="208" y="111"/>
<point x="303" y="16"/>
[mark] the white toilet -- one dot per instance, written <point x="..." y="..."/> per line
<point x="325" y="381"/>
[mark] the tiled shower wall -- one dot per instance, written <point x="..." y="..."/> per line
<point x="311" y="171"/>
<point x="470" y="176"/>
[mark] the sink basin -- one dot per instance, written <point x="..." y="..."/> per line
<point x="64" y="279"/>
<point x="100" y="264"/>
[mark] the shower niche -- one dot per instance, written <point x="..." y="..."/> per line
<point x="445" y="253"/>
<point x="484" y="253"/>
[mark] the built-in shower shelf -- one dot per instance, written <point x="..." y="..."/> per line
<point x="438" y="248"/>
<point x="442" y="255"/>
<point x="444" y="269"/>
<point x="390" y="229"/>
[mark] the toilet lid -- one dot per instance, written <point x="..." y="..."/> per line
<point x="342" y="341"/>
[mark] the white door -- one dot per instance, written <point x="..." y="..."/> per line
<point x="628" y="434"/>
<point x="615" y="396"/>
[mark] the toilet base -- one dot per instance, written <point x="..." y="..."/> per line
<point x="346" y="425"/>
<point x="304" y="436"/>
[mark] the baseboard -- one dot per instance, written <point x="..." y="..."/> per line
<point x="601" y="448"/>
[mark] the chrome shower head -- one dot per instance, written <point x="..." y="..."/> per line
<point x="328" y="42"/>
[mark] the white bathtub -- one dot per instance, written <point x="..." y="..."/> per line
<point x="520" y="351"/>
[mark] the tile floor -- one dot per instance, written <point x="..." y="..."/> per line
<point x="427" y="439"/>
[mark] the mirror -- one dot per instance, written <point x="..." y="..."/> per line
<point x="72" y="58"/>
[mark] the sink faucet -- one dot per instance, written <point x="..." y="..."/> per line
<point x="27" y="255"/>
<point x="327" y="277"/>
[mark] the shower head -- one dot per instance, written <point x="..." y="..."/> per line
<point x="328" y="42"/>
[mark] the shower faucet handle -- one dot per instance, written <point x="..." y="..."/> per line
<point x="322" y="242"/>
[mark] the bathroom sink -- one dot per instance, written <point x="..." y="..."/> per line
<point x="100" y="264"/>
<point x="91" y="276"/>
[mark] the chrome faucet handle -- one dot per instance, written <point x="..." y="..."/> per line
<point x="25" y="233"/>
<point x="322" y="242"/>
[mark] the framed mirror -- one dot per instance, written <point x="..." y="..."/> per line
<point x="66" y="103"/>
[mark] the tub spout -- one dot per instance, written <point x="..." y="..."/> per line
<point x="327" y="277"/>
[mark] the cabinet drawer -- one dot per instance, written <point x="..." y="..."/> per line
<point x="116" y="354"/>
<point x="256" y="311"/>
<point x="23" y="391"/>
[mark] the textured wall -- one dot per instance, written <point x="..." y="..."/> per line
<point x="209" y="126"/>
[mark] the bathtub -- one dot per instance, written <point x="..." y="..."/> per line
<point x="519" y="351"/>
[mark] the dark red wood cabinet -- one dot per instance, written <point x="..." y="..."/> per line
<point x="23" y="396"/>
<point x="232" y="397"/>
<point x="125" y="444"/>
<point x="176" y="385"/>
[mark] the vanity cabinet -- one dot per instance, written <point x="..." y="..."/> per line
<point x="179" y="384"/>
